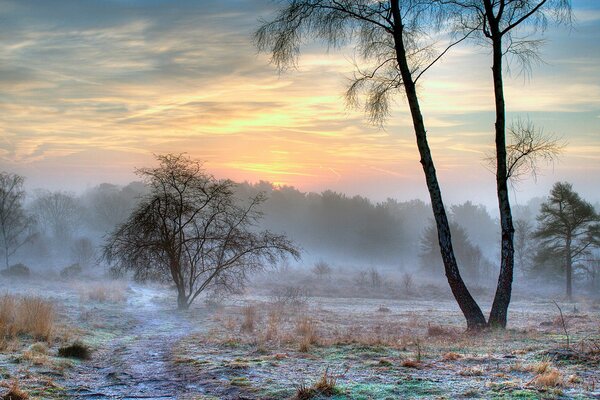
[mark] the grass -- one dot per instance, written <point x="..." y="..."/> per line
<point x="550" y="378"/>
<point x="325" y="386"/>
<point x="26" y="316"/>
<point x="250" y="316"/>
<point x="15" y="393"/>
<point x="105" y="292"/>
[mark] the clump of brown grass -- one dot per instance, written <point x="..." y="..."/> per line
<point x="540" y="367"/>
<point x="451" y="356"/>
<point x="250" y="316"/>
<point x="15" y="393"/>
<point x="26" y="315"/>
<point x="273" y="324"/>
<point x="550" y="378"/>
<point x="37" y="354"/>
<point x="471" y="371"/>
<point x="326" y="386"/>
<point x="306" y="328"/>
<point x="438" y="330"/>
<point x="409" y="363"/>
<point x="104" y="292"/>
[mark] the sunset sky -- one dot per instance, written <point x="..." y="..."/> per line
<point x="90" y="89"/>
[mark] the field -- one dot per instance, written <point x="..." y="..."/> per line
<point x="283" y="344"/>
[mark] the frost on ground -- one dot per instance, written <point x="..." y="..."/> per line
<point x="286" y="345"/>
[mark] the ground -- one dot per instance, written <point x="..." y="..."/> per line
<point x="278" y="347"/>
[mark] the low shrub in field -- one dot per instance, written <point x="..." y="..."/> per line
<point x="26" y="316"/>
<point x="16" y="271"/>
<point x="72" y="271"/>
<point x="75" y="350"/>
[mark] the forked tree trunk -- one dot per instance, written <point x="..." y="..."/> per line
<point x="182" y="300"/>
<point x="466" y="302"/>
<point x="499" y="312"/>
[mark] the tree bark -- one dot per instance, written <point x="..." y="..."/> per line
<point x="569" y="269"/>
<point x="182" y="300"/>
<point x="499" y="312"/>
<point x="466" y="302"/>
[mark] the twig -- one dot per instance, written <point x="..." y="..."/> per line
<point x="564" y="325"/>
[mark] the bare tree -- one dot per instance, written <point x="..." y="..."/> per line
<point x="508" y="26"/>
<point x="391" y="39"/>
<point x="524" y="245"/>
<point x="321" y="269"/>
<point x="83" y="252"/>
<point x="15" y="224"/>
<point x="191" y="230"/>
<point x="59" y="213"/>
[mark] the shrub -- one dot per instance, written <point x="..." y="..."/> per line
<point x="321" y="269"/>
<point x="17" y="271"/>
<point x="71" y="271"/>
<point x="75" y="350"/>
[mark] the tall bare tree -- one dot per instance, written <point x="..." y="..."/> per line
<point x="508" y="26"/>
<point x="391" y="38"/>
<point x="15" y="224"/>
<point x="191" y="230"/>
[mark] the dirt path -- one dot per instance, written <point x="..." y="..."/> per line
<point x="140" y="363"/>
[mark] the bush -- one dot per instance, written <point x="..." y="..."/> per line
<point x="75" y="350"/>
<point x="71" y="271"/>
<point x="321" y="269"/>
<point x="17" y="271"/>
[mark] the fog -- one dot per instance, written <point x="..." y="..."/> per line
<point x="350" y="234"/>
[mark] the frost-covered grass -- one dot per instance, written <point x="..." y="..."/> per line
<point x="261" y="347"/>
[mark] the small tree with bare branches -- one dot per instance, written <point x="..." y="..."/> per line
<point x="191" y="230"/>
<point x="15" y="224"/>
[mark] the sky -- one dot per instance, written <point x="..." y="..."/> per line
<point x="90" y="90"/>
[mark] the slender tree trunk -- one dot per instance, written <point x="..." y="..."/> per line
<point x="569" y="269"/>
<point x="499" y="312"/>
<point x="466" y="302"/>
<point x="6" y="259"/>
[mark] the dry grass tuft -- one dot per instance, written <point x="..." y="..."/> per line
<point x="326" y="386"/>
<point x="250" y="316"/>
<point x="15" y="393"/>
<point x="105" y="292"/>
<point x="551" y="378"/>
<point x="540" y="367"/>
<point x="439" y="331"/>
<point x="451" y="356"/>
<point x="472" y="371"/>
<point x="410" y="364"/>
<point x="306" y="328"/>
<point x="26" y="315"/>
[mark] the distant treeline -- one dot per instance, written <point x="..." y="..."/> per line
<point x="330" y="226"/>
